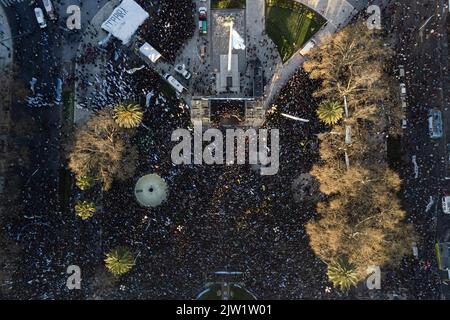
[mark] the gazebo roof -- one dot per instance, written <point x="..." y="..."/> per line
<point x="151" y="190"/>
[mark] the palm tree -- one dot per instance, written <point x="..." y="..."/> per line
<point x="342" y="274"/>
<point x="85" y="209"/>
<point x="84" y="182"/>
<point x="330" y="112"/>
<point x="119" y="261"/>
<point x="128" y="115"/>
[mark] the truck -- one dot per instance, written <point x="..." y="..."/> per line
<point x="174" y="83"/>
<point x="49" y="9"/>
<point x="203" y="26"/>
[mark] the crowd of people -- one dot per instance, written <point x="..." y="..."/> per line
<point x="216" y="217"/>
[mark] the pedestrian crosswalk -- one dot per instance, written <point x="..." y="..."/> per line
<point x="9" y="3"/>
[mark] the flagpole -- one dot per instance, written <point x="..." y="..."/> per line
<point x="230" y="48"/>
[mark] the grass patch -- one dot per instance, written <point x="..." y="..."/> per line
<point x="65" y="177"/>
<point x="69" y="106"/>
<point x="290" y="25"/>
<point x="228" y="4"/>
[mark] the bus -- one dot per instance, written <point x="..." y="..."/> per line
<point x="435" y="124"/>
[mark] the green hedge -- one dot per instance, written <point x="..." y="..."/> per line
<point x="228" y="4"/>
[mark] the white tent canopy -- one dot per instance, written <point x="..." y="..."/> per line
<point x="125" y="20"/>
<point x="149" y="52"/>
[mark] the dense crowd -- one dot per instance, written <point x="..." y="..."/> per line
<point x="217" y="217"/>
<point x="171" y="23"/>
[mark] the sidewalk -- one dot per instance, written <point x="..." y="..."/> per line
<point x="6" y="42"/>
<point x="93" y="70"/>
<point x="337" y="13"/>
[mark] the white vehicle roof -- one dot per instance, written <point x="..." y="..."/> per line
<point x="307" y="47"/>
<point x="149" y="52"/>
<point x="446" y="203"/>
<point x="48" y="5"/>
<point x="174" y="83"/>
<point x="39" y="13"/>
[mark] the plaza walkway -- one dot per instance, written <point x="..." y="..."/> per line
<point x="337" y="13"/>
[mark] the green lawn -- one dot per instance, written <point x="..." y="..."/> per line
<point x="228" y="4"/>
<point x="65" y="177"/>
<point x="290" y="25"/>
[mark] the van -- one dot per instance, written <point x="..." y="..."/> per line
<point x="40" y="17"/>
<point x="49" y="8"/>
<point x="174" y="83"/>
<point x="307" y="47"/>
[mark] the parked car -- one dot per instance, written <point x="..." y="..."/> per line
<point x="404" y="122"/>
<point x="446" y="202"/>
<point x="40" y="17"/>
<point x="401" y="71"/>
<point x="49" y="8"/>
<point x="404" y="104"/>
<point x="307" y="47"/>
<point x="202" y="51"/>
<point x="203" y="13"/>
<point x="181" y="69"/>
<point x="402" y="89"/>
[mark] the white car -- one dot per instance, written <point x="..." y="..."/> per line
<point x="203" y="13"/>
<point x="181" y="69"/>
<point x="308" y="47"/>
<point x="446" y="203"/>
<point x="402" y="89"/>
<point x="404" y="104"/>
<point x="401" y="71"/>
<point x="40" y="17"/>
<point x="404" y="122"/>
<point x="49" y="8"/>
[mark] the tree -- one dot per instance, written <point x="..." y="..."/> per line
<point x="342" y="275"/>
<point x="102" y="150"/>
<point x="330" y="112"/>
<point x="362" y="220"/>
<point x="84" y="182"/>
<point x="85" y="209"/>
<point x="11" y="85"/>
<point x="128" y="115"/>
<point x="119" y="261"/>
<point x="350" y="64"/>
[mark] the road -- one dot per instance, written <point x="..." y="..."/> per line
<point x="420" y="29"/>
<point x="44" y="55"/>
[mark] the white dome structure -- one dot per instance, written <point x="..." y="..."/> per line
<point x="151" y="190"/>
